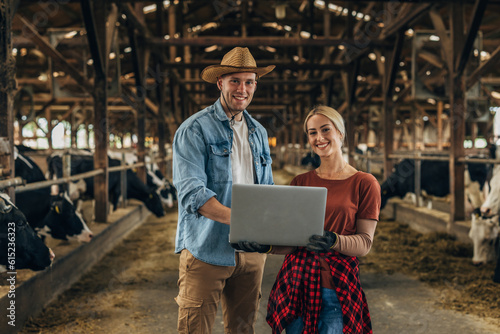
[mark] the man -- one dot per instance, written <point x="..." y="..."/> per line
<point x="218" y="146"/>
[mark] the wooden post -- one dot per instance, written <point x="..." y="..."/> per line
<point x="138" y="60"/>
<point x="457" y="118"/>
<point x="391" y="66"/>
<point x="160" y="93"/>
<point x="439" y="123"/>
<point x="94" y="14"/>
<point x="7" y="85"/>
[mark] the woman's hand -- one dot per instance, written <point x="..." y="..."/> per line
<point x="322" y="243"/>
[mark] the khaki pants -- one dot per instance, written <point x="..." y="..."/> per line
<point x="202" y="286"/>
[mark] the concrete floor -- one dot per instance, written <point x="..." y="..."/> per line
<point x="135" y="294"/>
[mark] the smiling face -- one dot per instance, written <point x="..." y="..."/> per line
<point x="323" y="136"/>
<point x="237" y="90"/>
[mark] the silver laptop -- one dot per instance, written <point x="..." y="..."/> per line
<point x="276" y="215"/>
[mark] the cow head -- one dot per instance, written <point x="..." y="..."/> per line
<point x="484" y="233"/>
<point x="64" y="221"/>
<point x="76" y="189"/>
<point x="399" y="182"/>
<point x="163" y="187"/>
<point x="154" y="204"/>
<point x="29" y="252"/>
<point x="167" y="197"/>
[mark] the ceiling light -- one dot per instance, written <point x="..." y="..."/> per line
<point x="305" y="34"/>
<point x="42" y="77"/>
<point x="149" y="9"/>
<point x="70" y="34"/>
<point x="211" y="48"/>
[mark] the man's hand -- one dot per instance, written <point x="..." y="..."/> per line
<point x="322" y="243"/>
<point x="252" y="247"/>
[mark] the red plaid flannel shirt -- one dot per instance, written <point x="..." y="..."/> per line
<point x="297" y="292"/>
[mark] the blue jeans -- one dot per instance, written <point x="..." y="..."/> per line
<point x="330" y="318"/>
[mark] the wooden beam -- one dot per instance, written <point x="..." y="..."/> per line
<point x="442" y="32"/>
<point x="403" y="20"/>
<point x="30" y="31"/>
<point x="431" y="58"/>
<point x="484" y="68"/>
<point x="477" y="16"/>
<point x="260" y="41"/>
<point x="393" y="64"/>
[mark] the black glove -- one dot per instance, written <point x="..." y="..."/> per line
<point x="250" y="246"/>
<point x="322" y="243"/>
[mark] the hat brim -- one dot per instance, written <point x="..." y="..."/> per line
<point x="212" y="72"/>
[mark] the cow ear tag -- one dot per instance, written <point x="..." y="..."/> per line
<point x="150" y="195"/>
<point x="57" y="209"/>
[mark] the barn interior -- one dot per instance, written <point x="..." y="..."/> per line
<point x="407" y="76"/>
<point x="412" y="79"/>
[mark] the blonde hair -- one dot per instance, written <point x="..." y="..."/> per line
<point x="330" y="113"/>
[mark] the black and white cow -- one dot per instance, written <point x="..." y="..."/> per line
<point x="154" y="178"/>
<point x="485" y="227"/>
<point x="484" y="233"/>
<point x="136" y="189"/>
<point x="434" y="180"/>
<point x="29" y="251"/>
<point x="49" y="215"/>
<point x="162" y="186"/>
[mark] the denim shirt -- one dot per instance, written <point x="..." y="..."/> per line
<point x="201" y="165"/>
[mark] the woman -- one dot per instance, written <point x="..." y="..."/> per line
<point x="317" y="289"/>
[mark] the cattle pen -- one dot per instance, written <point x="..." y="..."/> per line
<point x="34" y="290"/>
<point x="132" y="289"/>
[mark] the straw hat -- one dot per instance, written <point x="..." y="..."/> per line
<point x="235" y="61"/>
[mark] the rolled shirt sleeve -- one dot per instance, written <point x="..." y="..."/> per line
<point x="189" y="164"/>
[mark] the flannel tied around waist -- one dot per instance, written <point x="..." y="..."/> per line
<point x="297" y="292"/>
